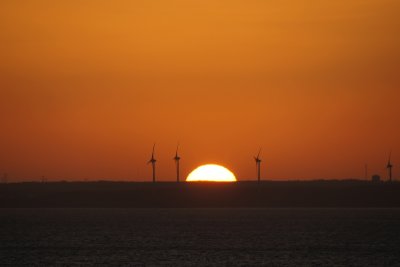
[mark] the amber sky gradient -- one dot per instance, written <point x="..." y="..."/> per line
<point x="86" y="87"/>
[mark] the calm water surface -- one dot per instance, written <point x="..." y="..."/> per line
<point x="200" y="237"/>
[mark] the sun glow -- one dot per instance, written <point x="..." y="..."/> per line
<point x="211" y="173"/>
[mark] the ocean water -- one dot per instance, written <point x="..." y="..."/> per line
<point x="200" y="237"/>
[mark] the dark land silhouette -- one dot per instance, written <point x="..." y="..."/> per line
<point x="103" y="194"/>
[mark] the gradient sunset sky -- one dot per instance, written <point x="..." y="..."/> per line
<point x="87" y="87"/>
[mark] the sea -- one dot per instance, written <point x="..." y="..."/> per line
<point x="200" y="237"/>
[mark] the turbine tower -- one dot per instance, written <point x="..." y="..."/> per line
<point x="258" y="165"/>
<point x="389" y="167"/>
<point x="177" y="159"/>
<point x="153" y="164"/>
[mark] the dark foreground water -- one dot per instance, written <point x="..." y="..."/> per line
<point x="200" y="237"/>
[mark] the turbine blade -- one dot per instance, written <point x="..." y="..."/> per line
<point x="176" y="153"/>
<point x="258" y="155"/>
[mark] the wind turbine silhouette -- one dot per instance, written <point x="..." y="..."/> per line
<point x="258" y="165"/>
<point x="390" y="166"/>
<point x="153" y="164"/>
<point x="177" y="159"/>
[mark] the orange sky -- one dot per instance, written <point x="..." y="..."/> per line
<point x="86" y="87"/>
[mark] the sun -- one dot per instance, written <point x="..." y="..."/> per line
<point x="211" y="173"/>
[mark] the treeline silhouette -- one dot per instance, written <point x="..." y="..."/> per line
<point x="103" y="194"/>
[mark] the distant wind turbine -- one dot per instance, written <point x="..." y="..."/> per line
<point x="390" y="166"/>
<point x="153" y="164"/>
<point x="258" y="165"/>
<point x="177" y="159"/>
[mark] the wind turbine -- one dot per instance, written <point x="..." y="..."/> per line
<point x="153" y="164"/>
<point x="390" y="166"/>
<point x="177" y="159"/>
<point x="258" y="165"/>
